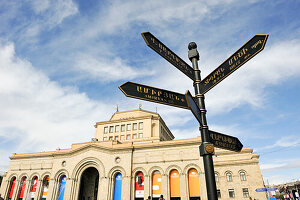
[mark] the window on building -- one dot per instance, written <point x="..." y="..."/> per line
<point x="231" y="193"/>
<point x="106" y="129"/>
<point x="140" y="135"/>
<point x="105" y="138"/>
<point x="217" y="177"/>
<point x="117" y="128"/>
<point x="128" y="137"/>
<point x="122" y="137"/>
<point x="245" y="192"/>
<point x="219" y="194"/>
<point x="111" y="129"/>
<point x="116" y="137"/>
<point x="110" y="137"/>
<point x="134" y="126"/>
<point x="141" y="125"/>
<point x="128" y="127"/>
<point x="134" y="136"/>
<point x="229" y="176"/>
<point x="123" y="127"/>
<point x="243" y="176"/>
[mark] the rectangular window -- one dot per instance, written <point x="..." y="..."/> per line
<point x="231" y="193"/>
<point x="106" y="129"/>
<point x="219" y="194"/>
<point x="110" y="137"/>
<point x="245" y="192"/>
<point x="128" y="127"/>
<point x="111" y="129"/>
<point x="105" y="138"/>
<point x="134" y="126"/>
<point x="141" y="125"/>
<point x="123" y="127"/>
<point x="128" y="137"/>
<point x="116" y="137"/>
<point x="117" y="128"/>
<point x="140" y="135"/>
<point x="134" y="136"/>
<point x="122" y="137"/>
<point x="216" y="177"/>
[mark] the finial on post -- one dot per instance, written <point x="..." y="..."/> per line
<point x="193" y="53"/>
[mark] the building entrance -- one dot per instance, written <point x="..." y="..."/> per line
<point x="89" y="184"/>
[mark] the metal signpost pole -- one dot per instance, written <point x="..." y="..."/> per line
<point x="206" y="148"/>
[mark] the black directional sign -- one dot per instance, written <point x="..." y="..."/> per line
<point x="169" y="55"/>
<point x="240" y="57"/>
<point x="193" y="106"/>
<point x="157" y="95"/>
<point x="225" y="141"/>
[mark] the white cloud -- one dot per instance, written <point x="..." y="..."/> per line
<point x="104" y="69"/>
<point x="286" y="141"/>
<point x="38" y="114"/>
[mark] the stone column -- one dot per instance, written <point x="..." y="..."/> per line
<point x="165" y="185"/>
<point x="39" y="191"/>
<point x="126" y="188"/>
<point x="183" y="188"/>
<point x="147" y="186"/>
<point x="103" y="188"/>
<point x="68" y="187"/>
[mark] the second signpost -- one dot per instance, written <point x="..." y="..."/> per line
<point x="196" y="104"/>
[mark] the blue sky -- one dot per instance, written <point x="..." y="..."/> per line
<point x="61" y="63"/>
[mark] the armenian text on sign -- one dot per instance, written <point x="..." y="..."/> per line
<point x="169" y="55"/>
<point x="157" y="95"/>
<point x="225" y="141"/>
<point x="240" y="57"/>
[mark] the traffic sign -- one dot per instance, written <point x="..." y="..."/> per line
<point x="167" y="54"/>
<point x="225" y="141"/>
<point x="240" y="57"/>
<point x="147" y="93"/>
<point x="192" y="105"/>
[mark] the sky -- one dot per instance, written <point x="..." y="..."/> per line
<point x="61" y="62"/>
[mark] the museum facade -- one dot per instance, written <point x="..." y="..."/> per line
<point x="132" y="156"/>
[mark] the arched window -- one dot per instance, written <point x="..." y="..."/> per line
<point x="216" y="177"/>
<point x="194" y="187"/>
<point x="21" y="188"/>
<point x="174" y="185"/>
<point x="139" y="185"/>
<point x="118" y="186"/>
<point x="33" y="185"/>
<point x="12" y="185"/>
<point x="229" y="176"/>
<point x="45" y="187"/>
<point x="62" y="186"/>
<point x="156" y="184"/>
<point x="243" y="176"/>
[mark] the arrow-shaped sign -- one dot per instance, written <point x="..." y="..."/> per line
<point x="240" y="57"/>
<point x="225" y="141"/>
<point x="192" y="105"/>
<point x="147" y="93"/>
<point x="169" y="55"/>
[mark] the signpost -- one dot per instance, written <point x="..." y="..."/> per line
<point x="197" y="104"/>
<point x="167" y="54"/>
<point x="225" y="141"/>
<point x="240" y="57"/>
<point x="147" y="93"/>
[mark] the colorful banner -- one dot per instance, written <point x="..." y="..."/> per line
<point x="12" y="187"/>
<point x="33" y="187"/>
<point x="139" y="185"/>
<point x="62" y="188"/>
<point x="118" y="187"/>
<point x="22" y="185"/>
<point x="193" y="179"/>
<point x="174" y="183"/>
<point x="156" y="184"/>
<point x="45" y="187"/>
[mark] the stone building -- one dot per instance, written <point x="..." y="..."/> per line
<point x="132" y="156"/>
